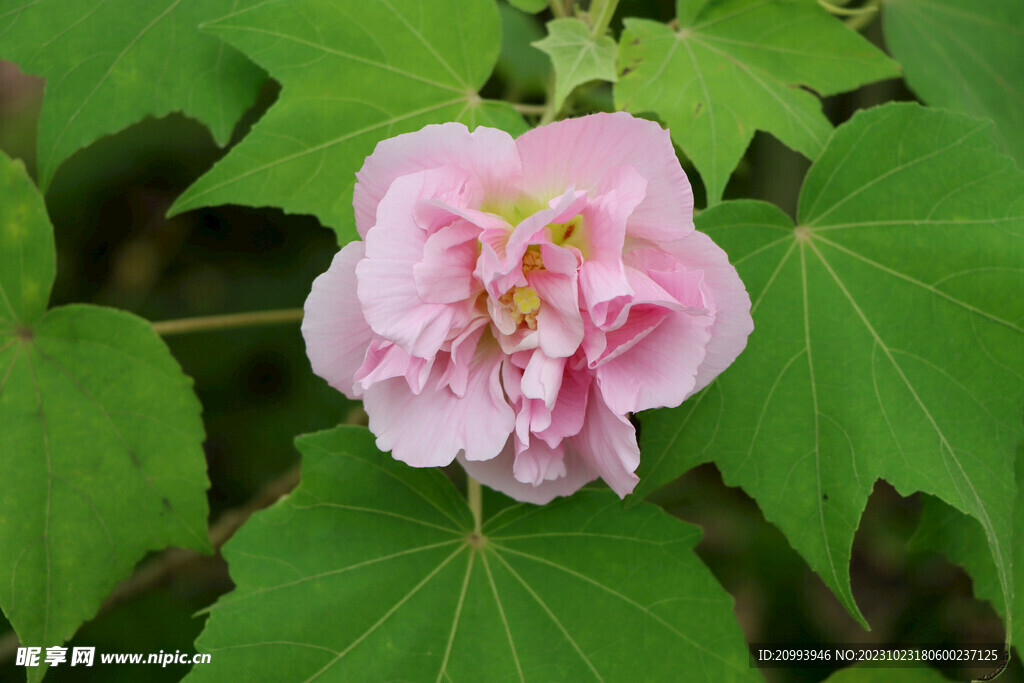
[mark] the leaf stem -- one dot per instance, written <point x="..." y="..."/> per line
<point x="601" y="12"/>
<point x="529" y="108"/>
<point x="865" y="17"/>
<point x="840" y="11"/>
<point x="558" y="9"/>
<point x="226" y="322"/>
<point x="551" y="108"/>
<point x="473" y="495"/>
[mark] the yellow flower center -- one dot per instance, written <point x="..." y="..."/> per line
<point x="525" y="299"/>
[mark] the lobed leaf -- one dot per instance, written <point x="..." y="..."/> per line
<point x="887" y="340"/>
<point x="352" y="73"/>
<point x="100" y="439"/>
<point x="577" y="56"/>
<point x="111" y="63"/>
<point x="371" y="570"/>
<point x="738" y="66"/>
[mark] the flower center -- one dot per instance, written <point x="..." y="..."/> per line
<point x="570" y="233"/>
<point x="525" y="300"/>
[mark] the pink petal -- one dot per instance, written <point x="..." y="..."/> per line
<point x="733" y="323"/>
<point x="571" y="407"/>
<point x="463" y="349"/>
<point x="659" y="369"/>
<point x="445" y="275"/>
<point x="335" y="331"/>
<point x="386" y="277"/>
<point x="498" y="473"/>
<point x="607" y="442"/>
<point x="539" y="463"/>
<point x="543" y="377"/>
<point x="385" y="360"/>
<point x="579" y="152"/>
<point x="428" y="430"/>
<point x="559" y="323"/>
<point x="488" y="155"/>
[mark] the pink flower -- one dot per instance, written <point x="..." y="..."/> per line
<point x="513" y="300"/>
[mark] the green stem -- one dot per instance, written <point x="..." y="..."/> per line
<point x="558" y="9"/>
<point x="859" y="21"/>
<point x="226" y="322"/>
<point x="551" y="108"/>
<point x="840" y="11"/>
<point x="474" y="497"/>
<point x="602" y="12"/>
<point x="529" y="108"/>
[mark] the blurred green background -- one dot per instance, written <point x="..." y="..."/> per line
<point x="116" y="248"/>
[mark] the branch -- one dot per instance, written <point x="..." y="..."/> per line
<point x="224" y="322"/>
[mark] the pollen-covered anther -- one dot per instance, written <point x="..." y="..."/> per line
<point x="523" y="303"/>
<point x="532" y="260"/>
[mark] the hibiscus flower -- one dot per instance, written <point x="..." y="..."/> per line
<point x="512" y="301"/>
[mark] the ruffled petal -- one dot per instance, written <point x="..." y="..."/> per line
<point x="659" y="369"/>
<point x="607" y="443"/>
<point x="333" y="326"/>
<point x="559" y="322"/>
<point x="387" y="285"/>
<point x="579" y="152"/>
<point x="445" y="275"/>
<point x="429" y="429"/>
<point x="498" y="473"/>
<point x="488" y="155"/>
<point x="733" y="323"/>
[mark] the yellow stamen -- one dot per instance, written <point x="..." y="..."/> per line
<point x="532" y="260"/>
<point x="526" y="300"/>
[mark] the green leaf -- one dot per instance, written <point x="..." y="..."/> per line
<point x="577" y="56"/>
<point x="964" y="55"/>
<point x="100" y="438"/>
<point x="353" y="73"/>
<point x="371" y="570"/>
<point x="887" y="339"/>
<point x="738" y="67"/>
<point x="526" y="71"/>
<point x="874" y="674"/>
<point x="962" y="539"/>
<point x="110" y="63"/>
<point x="531" y="6"/>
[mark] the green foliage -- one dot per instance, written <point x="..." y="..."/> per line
<point x="100" y="438"/>
<point x="735" y="68"/>
<point x="887" y="339"/>
<point x="964" y="55"/>
<point x="371" y="571"/>
<point x="526" y="71"/>
<point x="531" y="6"/>
<point x="578" y="57"/>
<point x="110" y="63"/>
<point x="353" y="73"/>
<point x="868" y="674"/>
<point x="960" y="538"/>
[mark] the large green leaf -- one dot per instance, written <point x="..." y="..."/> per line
<point x="110" y="63"/>
<point x="353" y="73"/>
<point x="965" y="55"/>
<point x="100" y="438"/>
<point x="371" y="570"/>
<point x="887" y="342"/>
<point x="577" y="56"/>
<point x="738" y="67"/>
